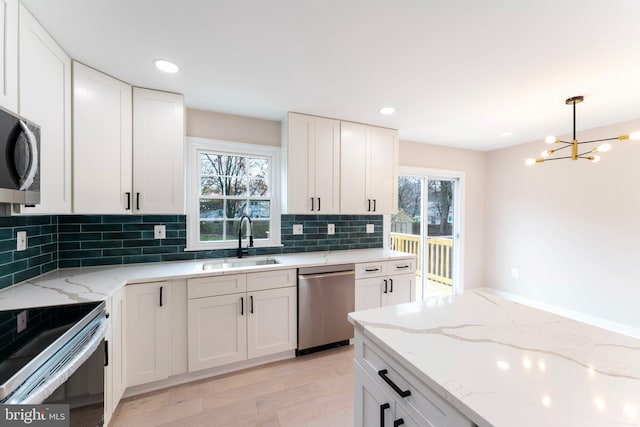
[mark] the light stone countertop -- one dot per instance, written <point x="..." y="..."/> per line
<point x="76" y="285"/>
<point x="505" y="364"/>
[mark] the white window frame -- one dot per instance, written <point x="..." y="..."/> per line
<point x="194" y="146"/>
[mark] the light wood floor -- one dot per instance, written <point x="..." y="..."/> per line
<point x="312" y="391"/>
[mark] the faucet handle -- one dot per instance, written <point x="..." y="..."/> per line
<point x="250" y="240"/>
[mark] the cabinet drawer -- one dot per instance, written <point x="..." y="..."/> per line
<point x="401" y="266"/>
<point x="423" y="404"/>
<point x="371" y="269"/>
<point x="216" y="285"/>
<point x="271" y="280"/>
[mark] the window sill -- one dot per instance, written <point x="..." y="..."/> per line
<point x="225" y="247"/>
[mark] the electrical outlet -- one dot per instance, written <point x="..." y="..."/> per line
<point x="297" y="228"/>
<point x="159" y="232"/>
<point x="21" y="236"/>
<point x="514" y="273"/>
<point x="331" y="229"/>
<point x="22" y="321"/>
<point x="370" y="228"/>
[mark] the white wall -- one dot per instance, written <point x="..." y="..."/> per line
<point x="571" y="228"/>
<point x="473" y="164"/>
<point x="227" y="127"/>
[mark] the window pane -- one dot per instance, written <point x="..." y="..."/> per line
<point x="260" y="209"/>
<point x="210" y="230"/>
<point x="260" y="229"/>
<point x="236" y="185"/>
<point x="211" y="208"/>
<point x="211" y="186"/>
<point x="258" y="187"/>
<point x="232" y="230"/>
<point x="235" y="208"/>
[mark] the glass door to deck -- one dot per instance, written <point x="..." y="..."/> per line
<point x="426" y="225"/>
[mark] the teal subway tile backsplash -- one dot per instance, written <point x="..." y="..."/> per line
<point x="67" y="241"/>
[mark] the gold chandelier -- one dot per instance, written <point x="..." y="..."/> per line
<point x="573" y="144"/>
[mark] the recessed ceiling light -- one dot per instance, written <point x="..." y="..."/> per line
<point x="506" y="134"/>
<point x="166" y="66"/>
<point x="387" y="110"/>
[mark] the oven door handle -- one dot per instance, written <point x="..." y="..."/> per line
<point x="78" y="350"/>
<point x="27" y="179"/>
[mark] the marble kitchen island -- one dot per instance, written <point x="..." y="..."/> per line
<point x="479" y="359"/>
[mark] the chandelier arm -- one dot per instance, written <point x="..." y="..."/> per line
<point x="565" y="142"/>
<point x="556" y="158"/>
<point x="561" y="148"/>
<point x="586" y="152"/>
<point x="598" y="140"/>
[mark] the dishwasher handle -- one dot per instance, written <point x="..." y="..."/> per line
<point x="323" y="275"/>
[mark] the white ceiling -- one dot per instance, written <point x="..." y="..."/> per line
<point x="459" y="72"/>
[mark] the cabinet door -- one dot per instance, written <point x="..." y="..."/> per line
<point x="45" y="99"/>
<point x="101" y="142"/>
<point x="382" y="170"/>
<point x="353" y="169"/>
<point x="325" y="164"/>
<point x="369" y="293"/>
<point x="9" y="54"/>
<point x="158" y="152"/>
<point x="312" y="148"/>
<point x="400" y="289"/>
<point x="116" y="347"/>
<point x="372" y="405"/>
<point x="271" y="321"/>
<point x="217" y="329"/>
<point x="147" y="332"/>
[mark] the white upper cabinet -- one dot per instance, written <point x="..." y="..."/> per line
<point x="312" y="150"/>
<point x="128" y="147"/>
<point x="9" y="54"/>
<point x="158" y="152"/>
<point x="45" y="99"/>
<point x="369" y="169"/>
<point x="102" y="143"/>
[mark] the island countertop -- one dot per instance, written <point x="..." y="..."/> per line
<point x="506" y="364"/>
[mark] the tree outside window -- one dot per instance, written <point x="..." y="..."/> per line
<point x="230" y="186"/>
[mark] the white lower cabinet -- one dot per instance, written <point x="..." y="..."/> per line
<point x="243" y="324"/>
<point x="373" y="406"/>
<point x="147" y="332"/>
<point x="114" y="383"/>
<point x="384" y="283"/>
<point x="386" y="393"/>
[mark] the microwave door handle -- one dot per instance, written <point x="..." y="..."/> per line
<point x="27" y="180"/>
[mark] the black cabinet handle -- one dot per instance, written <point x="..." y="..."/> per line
<point x="391" y="288"/>
<point x="401" y="267"/>
<point x="318" y="203"/>
<point x="137" y="201"/>
<point x="128" y="200"/>
<point x="251" y="299"/>
<point x="385" y="286"/>
<point x="398" y="422"/>
<point x="369" y="208"/>
<point x="371" y="270"/>
<point x="383" y="373"/>
<point x="383" y="408"/>
<point x="161" y="287"/>
<point x="312" y="204"/>
<point x="374" y="205"/>
<point x="241" y="306"/>
<point x="106" y="353"/>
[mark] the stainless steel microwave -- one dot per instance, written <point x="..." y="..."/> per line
<point x="19" y="160"/>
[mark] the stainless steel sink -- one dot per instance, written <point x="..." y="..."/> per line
<point x="238" y="263"/>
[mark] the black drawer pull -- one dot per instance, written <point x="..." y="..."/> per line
<point x="371" y="270"/>
<point x="398" y="422"/>
<point x="401" y="267"/>
<point x="383" y="373"/>
<point x="383" y="408"/>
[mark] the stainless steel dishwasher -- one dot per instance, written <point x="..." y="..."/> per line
<point x="326" y="295"/>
